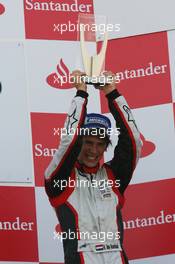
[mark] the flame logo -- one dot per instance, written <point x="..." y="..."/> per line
<point x="61" y="78"/>
<point x="148" y="147"/>
<point x="2" y="9"/>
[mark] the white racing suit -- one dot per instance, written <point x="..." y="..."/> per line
<point x="88" y="203"/>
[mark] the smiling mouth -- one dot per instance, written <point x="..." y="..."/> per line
<point x="91" y="158"/>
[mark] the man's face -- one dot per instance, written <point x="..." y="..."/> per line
<point x="92" y="150"/>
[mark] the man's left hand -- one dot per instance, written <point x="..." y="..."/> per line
<point x="112" y="85"/>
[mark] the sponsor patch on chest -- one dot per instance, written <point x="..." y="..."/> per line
<point x="105" y="190"/>
<point x="106" y="247"/>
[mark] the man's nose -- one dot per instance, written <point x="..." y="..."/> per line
<point x="94" y="149"/>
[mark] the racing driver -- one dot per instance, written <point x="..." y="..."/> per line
<point x="86" y="211"/>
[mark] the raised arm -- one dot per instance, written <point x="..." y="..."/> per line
<point x="61" y="168"/>
<point x="128" y="149"/>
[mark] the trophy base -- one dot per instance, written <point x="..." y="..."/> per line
<point x="97" y="81"/>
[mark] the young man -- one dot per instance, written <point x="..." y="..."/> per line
<point x="89" y="213"/>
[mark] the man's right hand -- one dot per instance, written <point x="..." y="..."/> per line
<point x="78" y="83"/>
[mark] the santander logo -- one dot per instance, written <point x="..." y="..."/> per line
<point x="2" y="9"/>
<point x="61" y="78"/>
<point x="148" y="147"/>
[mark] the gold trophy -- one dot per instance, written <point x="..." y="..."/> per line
<point x="93" y="32"/>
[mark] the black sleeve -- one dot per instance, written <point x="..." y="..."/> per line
<point x="61" y="168"/>
<point x="127" y="151"/>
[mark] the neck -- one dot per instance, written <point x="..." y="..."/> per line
<point x="87" y="169"/>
